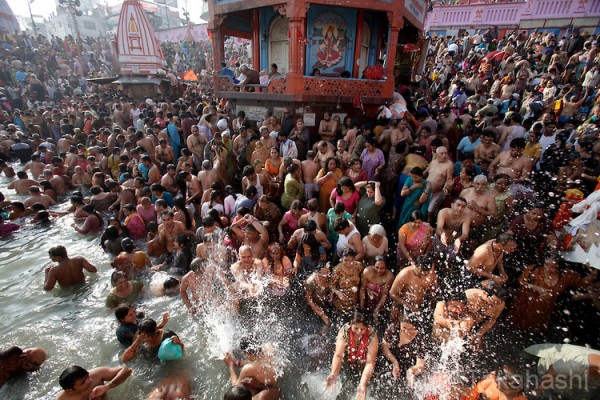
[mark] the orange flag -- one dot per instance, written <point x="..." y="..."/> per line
<point x="190" y="76"/>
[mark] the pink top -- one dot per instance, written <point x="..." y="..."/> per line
<point x="292" y="222"/>
<point x="147" y="214"/>
<point x="350" y="203"/>
<point x="136" y="226"/>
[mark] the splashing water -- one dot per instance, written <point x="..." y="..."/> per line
<point x="443" y="373"/>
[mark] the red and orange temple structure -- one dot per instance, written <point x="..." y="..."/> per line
<point x="339" y="38"/>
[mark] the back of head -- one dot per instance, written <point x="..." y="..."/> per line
<point x="70" y="376"/>
<point x="238" y="392"/>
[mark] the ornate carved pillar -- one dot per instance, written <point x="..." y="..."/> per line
<point x="256" y="41"/>
<point x="358" y="43"/>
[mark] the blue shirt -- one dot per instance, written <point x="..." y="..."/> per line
<point x="466" y="146"/>
<point x="168" y="197"/>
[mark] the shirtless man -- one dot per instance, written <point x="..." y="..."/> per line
<point x="196" y="143"/>
<point x="38" y="197"/>
<point x="79" y="384"/>
<point x="57" y="182"/>
<point x="200" y="288"/>
<point x="126" y="196"/>
<point x="240" y="141"/>
<point x="400" y="133"/>
<point x="68" y="271"/>
<point x="81" y="178"/>
<point x="453" y="227"/>
<point x="253" y="235"/>
<point x="35" y="165"/>
<point x="413" y="283"/>
<point x="481" y="204"/>
<point x="174" y="387"/>
<point x="163" y="153"/>
<point x="323" y="151"/>
<point x="14" y="361"/>
<point x="488" y="259"/>
<point x="310" y="169"/>
<point x="327" y="127"/>
<point x="512" y="163"/>
<point x="485" y="304"/>
<point x="146" y="142"/>
<point x="247" y="274"/>
<point x="169" y="229"/>
<point x="169" y="181"/>
<point x="439" y="175"/>
<point x="486" y="151"/>
<point x="452" y="318"/>
<point x="210" y="174"/>
<point x="22" y="184"/>
<point x="258" y="376"/>
<point x="267" y="140"/>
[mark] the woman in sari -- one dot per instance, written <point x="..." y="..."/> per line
<point x="417" y="192"/>
<point x="414" y="239"/>
<point x="327" y="179"/>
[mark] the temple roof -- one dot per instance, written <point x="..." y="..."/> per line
<point x="138" y="49"/>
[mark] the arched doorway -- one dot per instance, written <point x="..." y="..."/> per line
<point x="364" y="49"/>
<point x="279" y="44"/>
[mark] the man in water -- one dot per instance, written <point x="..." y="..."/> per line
<point x="22" y="184"/>
<point x="451" y="318"/>
<point x="172" y="388"/>
<point x="247" y="274"/>
<point x="80" y="384"/>
<point x="68" y="271"/>
<point x="258" y="376"/>
<point x="439" y="175"/>
<point x="512" y="162"/>
<point x="453" y="227"/>
<point x="489" y="258"/>
<point x="14" y="361"/>
<point x="199" y="284"/>
<point x="38" y="197"/>
<point x="413" y="283"/>
<point x="485" y="303"/>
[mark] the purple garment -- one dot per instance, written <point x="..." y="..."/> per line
<point x="371" y="162"/>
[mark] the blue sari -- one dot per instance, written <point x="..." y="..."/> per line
<point x="409" y="202"/>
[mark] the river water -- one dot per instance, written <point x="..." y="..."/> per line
<point x="74" y="327"/>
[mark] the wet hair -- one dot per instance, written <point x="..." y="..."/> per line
<point x="349" y="252"/>
<point x="425" y="262"/>
<point x="459" y="198"/>
<point x="71" y="375"/>
<point x="491" y="288"/>
<point x="148" y="326"/>
<point x="182" y="239"/>
<point x="249" y="345"/>
<point x="127" y="245"/>
<point x="418" y="171"/>
<point x="416" y="215"/>
<point x="88" y="208"/>
<point x="238" y="392"/>
<point x="358" y="317"/>
<point x="310" y="225"/>
<point x="339" y="207"/>
<point x="58" y="251"/>
<point x="310" y="240"/>
<point x="116" y="275"/>
<point x="340" y="224"/>
<point x="345" y="181"/>
<point x="171" y="283"/>
<point x="197" y="264"/>
<point x="179" y="202"/>
<point x="12" y="351"/>
<point x="312" y="204"/>
<point x="122" y="310"/>
<point x="518" y="143"/>
<point x="504" y="238"/>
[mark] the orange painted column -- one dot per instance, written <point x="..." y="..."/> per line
<point x="358" y="43"/>
<point x="256" y="40"/>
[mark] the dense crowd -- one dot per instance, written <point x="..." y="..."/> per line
<point x="434" y="221"/>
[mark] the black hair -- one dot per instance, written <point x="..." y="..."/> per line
<point x="58" y="251"/>
<point x="148" y="326"/>
<point x="122" y="310"/>
<point x="238" y="392"/>
<point x="71" y="375"/>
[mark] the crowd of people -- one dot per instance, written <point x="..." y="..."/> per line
<point x="399" y="233"/>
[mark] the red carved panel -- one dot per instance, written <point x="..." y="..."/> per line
<point x="343" y="87"/>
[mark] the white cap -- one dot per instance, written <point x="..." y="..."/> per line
<point x="222" y="124"/>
